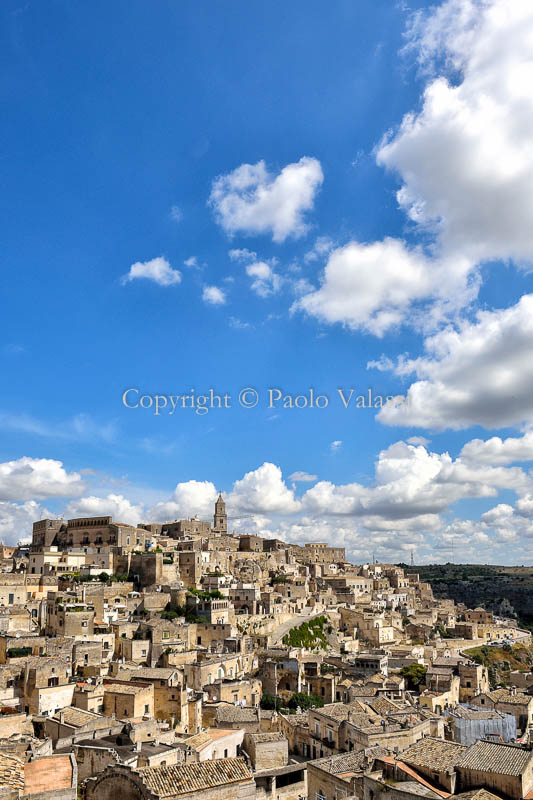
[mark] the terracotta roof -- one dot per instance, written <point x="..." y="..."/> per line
<point x="48" y="773"/>
<point x="184" y="778"/>
<point x="435" y="754"/>
<point x="418" y="778"/>
<point x="502" y="759"/>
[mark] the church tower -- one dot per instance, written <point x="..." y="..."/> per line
<point x="220" y="520"/>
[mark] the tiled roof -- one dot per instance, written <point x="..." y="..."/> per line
<point x="505" y="696"/>
<point x="236" y="714"/>
<point x="261" y="738"/>
<point x="338" y="711"/>
<point x="501" y="759"/>
<point x="78" y="717"/>
<point x="436" y="754"/>
<point x="184" y="778"/>
<point x="120" y="688"/>
<point x="349" y="762"/>
<point x="477" y="794"/>
<point x="11" y="771"/>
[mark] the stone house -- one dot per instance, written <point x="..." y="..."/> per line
<point x="266" y="750"/>
<point x="239" y="692"/>
<point x="212" y="743"/>
<point x="505" y="768"/>
<point x="128" y="701"/>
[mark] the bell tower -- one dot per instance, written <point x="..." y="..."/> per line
<point x="220" y="520"/>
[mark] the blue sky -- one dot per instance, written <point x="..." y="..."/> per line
<point x="198" y="195"/>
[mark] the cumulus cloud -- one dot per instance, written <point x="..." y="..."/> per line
<point x="16" y="520"/>
<point x="157" y="270"/>
<point x="465" y="160"/>
<point x="499" y="451"/>
<point x="479" y="373"/>
<point x="465" y="166"/>
<point x="251" y="200"/>
<point x="112" y="505"/>
<point x="263" y="491"/>
<point x="29" y="478"/>
<point x="188" y="499"/>
<point x="373" y="286"/>
<point x="265" y="281"/>
<point x="411" y="483"/>
<point x="214" y="296"/>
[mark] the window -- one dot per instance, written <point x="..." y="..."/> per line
<point x="225" y="753"/>
<point x="11" y="598"/>
<point x="84" y="623"/>
<point x="146" y="709"/>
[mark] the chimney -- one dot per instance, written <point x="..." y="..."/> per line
<point x="138" y="746"/>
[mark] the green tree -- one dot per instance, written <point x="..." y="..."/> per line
<point x="305" y="701"/>
<point x="414" y="674"/>
<point x="270" y="703"/>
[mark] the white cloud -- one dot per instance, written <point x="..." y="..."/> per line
<point x="30" y="478"/>
<point x="192" y="262"/>
<point x="465" y="159"/>
<point x="251" y="200"/>
<point x="499" y="451"/>
<point x="373" y="286"/>
<point x="16" y="520"/>
<point x="157" y="270"/>
<point x="302" y="477"/>
<point x="465" y="164"/>
<point x="265" y="281"/>
<point x="478" y="374"/>
<point x="213" y="295"/>
<point x="336" y="445"/>
<point x="189" y="498"/>
<point x="263" y="491"/>
<point x="411" y="484"/>
<point x="113" y="505"/>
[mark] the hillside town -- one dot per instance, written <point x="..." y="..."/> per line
<point x="181" y="660"/>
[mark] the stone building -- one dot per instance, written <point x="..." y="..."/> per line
<point x="128" y="701"/>
<point x="220" y="519"/>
